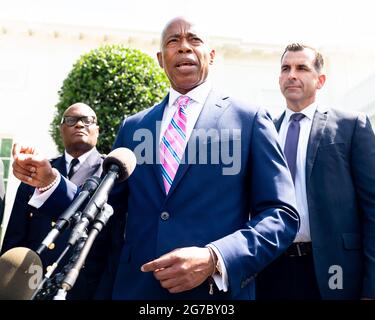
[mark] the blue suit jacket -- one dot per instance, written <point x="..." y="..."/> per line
<point x="340" y="185"/>
<point x="203" y="205"/>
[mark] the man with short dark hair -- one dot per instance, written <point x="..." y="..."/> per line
<point x="28" y="226"/>
<point x="331" y="156"/>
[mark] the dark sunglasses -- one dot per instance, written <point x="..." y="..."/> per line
<point x="72" y="121"/>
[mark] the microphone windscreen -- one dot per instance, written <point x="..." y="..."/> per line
<point x="124" y="158"/>
<point x="21" y="271"/>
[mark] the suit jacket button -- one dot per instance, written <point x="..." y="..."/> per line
<point x="164" y="215"/>
<point x="30" y="214"/>
<point x="245" y="282"/>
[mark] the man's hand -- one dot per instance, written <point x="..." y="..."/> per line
<point x="30" y="167"/>
<point x="181" y="269"/>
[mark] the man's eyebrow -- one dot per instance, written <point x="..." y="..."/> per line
<point x="178" y="35"/>
<point x="304" y="65"/>
<point x="192" y="34"/>
<point x="175" y="35"/>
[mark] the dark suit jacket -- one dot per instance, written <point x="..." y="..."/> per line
<point x="340" y="184"/>
<point x="203" y="205"/>
<point x="27" y="226"/>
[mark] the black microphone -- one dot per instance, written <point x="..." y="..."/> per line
<point x="88" y="188"/>
<point x="21" y="271"/>
<point x="70" y="279"/>
<point x="117" y="166"/>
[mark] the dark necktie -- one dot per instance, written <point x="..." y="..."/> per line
<point x="73" y="167"/>
<point x="291" y="142"/>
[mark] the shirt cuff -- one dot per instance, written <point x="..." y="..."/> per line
<point x="221" y="280"/>
<point x="38" y="198"/>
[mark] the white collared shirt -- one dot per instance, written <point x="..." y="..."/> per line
<point x="198" y="98"/>
<point x="303" y="234"/>
<point x="82" y="159"/>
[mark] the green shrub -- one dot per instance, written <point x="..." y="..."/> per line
<point x="116" y="82"/>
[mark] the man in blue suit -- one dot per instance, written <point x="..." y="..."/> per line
<point x="333" y="255"/>
<point x="217" y="218"/>
<point x="28" y="226"/>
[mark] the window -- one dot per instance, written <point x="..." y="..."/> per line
<point x="5" y="154"/>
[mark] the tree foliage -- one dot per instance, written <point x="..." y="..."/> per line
<point x="115" y="82"/>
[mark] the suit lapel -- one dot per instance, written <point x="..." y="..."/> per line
<point x="88" y="168"/>
<point x="279" y="121"/>
<point x="60" y="164"/>
<point x="208" y="118"/>
<point x="157" y="116"/>
<point x="316" y="133"/>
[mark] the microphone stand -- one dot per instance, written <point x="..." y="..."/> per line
<point x="48" y="287"/>
<point x="118" y="166"/>
<point x="72" y="214"/>
<point x="53" y="235"/>
<point x="47" y="281"/>
<point x="37" y="295"/>
<point x="73" y="270"/>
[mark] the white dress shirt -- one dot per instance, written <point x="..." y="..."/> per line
<point x="198" y="98"/>
<point x="303" y="234"/>
<point x="82" y="159"/>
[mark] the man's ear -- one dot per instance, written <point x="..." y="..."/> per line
<point x="212" y="56"/>
<point x="321" y="81"/>
<point x="160" y="59"/>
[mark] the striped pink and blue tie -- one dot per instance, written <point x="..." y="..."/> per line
<point x="173" y="143"/>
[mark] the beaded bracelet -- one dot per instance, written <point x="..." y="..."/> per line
<point x="42" y="189"/>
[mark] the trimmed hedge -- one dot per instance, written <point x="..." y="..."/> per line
<point x="116" y="82"/>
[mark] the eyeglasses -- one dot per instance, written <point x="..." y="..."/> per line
<point x="72" y="121"/>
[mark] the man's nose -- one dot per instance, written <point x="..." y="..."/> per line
<point x="292" y="74"/>
<point x="80" y="123"/>
<point x="184" y="46"/>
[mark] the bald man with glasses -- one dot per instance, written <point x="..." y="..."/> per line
<point x="27" y="227"/>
